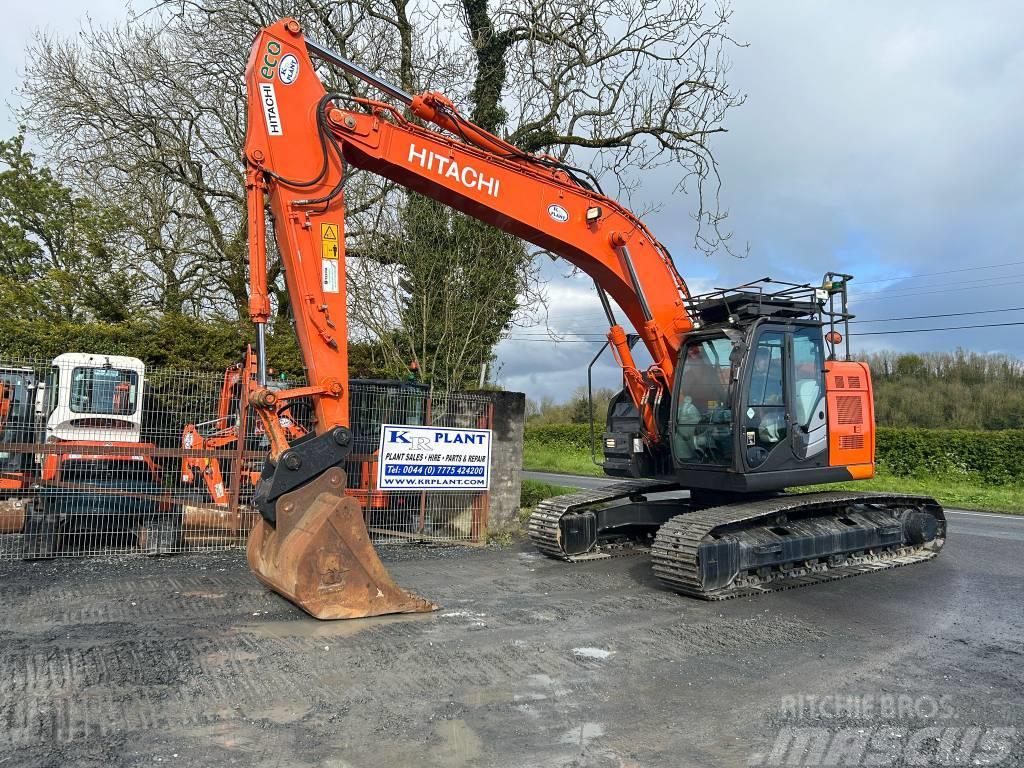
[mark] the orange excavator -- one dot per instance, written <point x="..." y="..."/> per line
<point x="372" y="400"/>
<point x="745" y="396"/>
<point x="223" y="431"/>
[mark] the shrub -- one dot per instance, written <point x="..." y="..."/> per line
<point x="534" y="492"/>
<point x="990" y="456"/>
<point x="993" y="457"/>
<point x="569" y="437"/>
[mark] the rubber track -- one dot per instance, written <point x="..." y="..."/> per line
<point x="543" y="525"/>
<point x="674" y="552"/>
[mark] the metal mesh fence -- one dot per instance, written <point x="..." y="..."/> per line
<point x="99" y="454"/>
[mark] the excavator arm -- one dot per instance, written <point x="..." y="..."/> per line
<point x="299" y="144"/>
<point x="300" y="141"/>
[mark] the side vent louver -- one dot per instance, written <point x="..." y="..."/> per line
<point x="850" y="409"/>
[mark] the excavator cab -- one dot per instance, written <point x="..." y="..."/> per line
<point x="751" y="409"/>
<point x="759" y="403"/>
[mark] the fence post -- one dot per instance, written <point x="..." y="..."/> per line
<point x="238" y="464"/>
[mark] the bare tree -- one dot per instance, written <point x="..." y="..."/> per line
<point x="621" y="86"/>
<point x="150" y="115"/>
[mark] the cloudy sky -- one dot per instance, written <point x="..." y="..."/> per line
<point x="881" y="139"/>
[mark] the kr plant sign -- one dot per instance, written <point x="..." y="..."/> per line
<point x="433" y="458"/>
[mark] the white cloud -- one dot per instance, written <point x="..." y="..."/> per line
<point x="877" y="139"/>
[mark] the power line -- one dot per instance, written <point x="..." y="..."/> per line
<point x="544" y="335"/>
<point x="885" y="293"/>
<point x="556" y="334"/>
<point x="944" y="272"/>
<point x="557" y="341"/>
<point x="991" y="280"/>
<point x="864" y="333"/>
<point x="885" y="280"/>
<point x="947" y="314"/>
<point x="929" y="330"/>
<point x="890" y="297"/>
<point x="872" y="296"/>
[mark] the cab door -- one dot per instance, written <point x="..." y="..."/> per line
<point x="810" y="425"/>
<point x="782" y="420"/>
<point x="764" y="416"/>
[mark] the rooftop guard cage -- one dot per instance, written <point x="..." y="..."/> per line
<point x="826" y="303"/>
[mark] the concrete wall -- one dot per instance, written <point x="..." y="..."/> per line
<point x="506" y="458"/>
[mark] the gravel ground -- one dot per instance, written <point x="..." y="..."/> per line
<point x="530" y="662"/>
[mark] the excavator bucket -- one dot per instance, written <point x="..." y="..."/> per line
<point x="319" y="556"/>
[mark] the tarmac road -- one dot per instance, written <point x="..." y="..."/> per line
<point x="530" y="662"/>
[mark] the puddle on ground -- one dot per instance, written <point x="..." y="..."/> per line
<point x="459" y="743"/>
<point x="591" y="653"/>
<point x="228" y="734"/>
<point x="582" y="735"/>
<point x="308" y="627"/>
<point x="548" y="684"/>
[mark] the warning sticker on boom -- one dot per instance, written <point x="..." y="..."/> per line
<point x="329" y="240"/>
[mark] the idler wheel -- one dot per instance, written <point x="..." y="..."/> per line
<point x="920" y="527"/>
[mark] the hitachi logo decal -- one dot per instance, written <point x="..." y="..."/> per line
<point x="269" y="100"/>
<point x="449" y="169"/>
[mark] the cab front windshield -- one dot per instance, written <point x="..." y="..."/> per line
<point x="104" y="390"/>
<point x="703" y="411"/>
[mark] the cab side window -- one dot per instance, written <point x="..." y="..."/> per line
<point x="765" y="418"/>
<point x="703" y="417"/>
<point x="808" y="374"/>
<point x="766" y="382"/>
<point x="52" y="390"/>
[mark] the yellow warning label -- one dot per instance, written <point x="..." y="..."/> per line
<point x="329" y="241"/>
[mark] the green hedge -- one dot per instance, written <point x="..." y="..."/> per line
<point x="991" y="456"/>
<point x="175" y="341"/>
<point x="571" y="437"/>
<point x="995" y="457"/>
<point x="534" y="492"/>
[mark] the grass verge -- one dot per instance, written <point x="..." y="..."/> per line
<point x="548" y="458"/>
<point x="534" y="492"/>
<point x="955" y="493"/>
<point x="959" y="492"/>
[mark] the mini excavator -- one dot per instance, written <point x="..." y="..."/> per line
<point x="746" y="395"/>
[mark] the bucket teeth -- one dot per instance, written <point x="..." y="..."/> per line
<point x="319" y="556"/>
